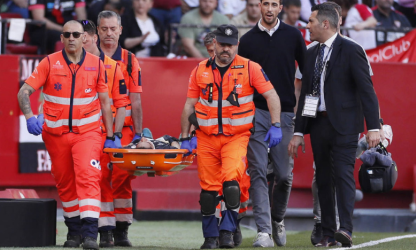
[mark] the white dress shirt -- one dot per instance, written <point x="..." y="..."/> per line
<point x="272" y="30"/>
<point x="327" y="56"/>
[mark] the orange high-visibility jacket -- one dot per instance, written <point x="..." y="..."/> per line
<point x="133" y="80"/>
<point x="70" y="92"/>
<point x="222" y="117"/>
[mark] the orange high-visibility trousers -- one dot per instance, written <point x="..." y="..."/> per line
<point x="221" y="158"/>
<point x="116" y="191"/>
<point x="77" y="171"/>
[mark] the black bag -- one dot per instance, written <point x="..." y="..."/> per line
<point x="377" y="178"/>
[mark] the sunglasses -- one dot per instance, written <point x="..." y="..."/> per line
<point x="75" y="34"/>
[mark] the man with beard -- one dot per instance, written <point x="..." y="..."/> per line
<point x="220" y="93"/>
<point x="193" y="38"/>
<point x="275" y="46"/>
<point x="387" y="17"/>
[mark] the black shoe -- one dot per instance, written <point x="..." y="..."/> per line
<point x="317" y="234"/>
<point x="226" y="239"/>
<point x="238" y="237"/>
<point x="210" y="243"/>
<point x="106" y="239"/>
<point x="73" y="241"/>
<point x="89" y="243"/>
<point x="344" y="237"/>
<point x="120" y="235"/>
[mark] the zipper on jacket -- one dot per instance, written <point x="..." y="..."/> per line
<point x="71" y="101"/>
<point x="220" y="130"/>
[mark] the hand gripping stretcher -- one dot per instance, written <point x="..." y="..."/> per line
<point x="161" y="162"/>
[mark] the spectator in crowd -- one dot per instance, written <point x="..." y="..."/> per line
<point x="359" y="17"/>
<point x="387" y="17"/>
<point x="142" y="33"/>
<point x="407" y="7"/>
<point x="292" y="13"/>
<point x="118" y="6"/>
<point x="18" y="7"/>
<point x="54" y="14"/>
<point x="167" y="11"/>
<point x="193" y="38"/>
<point x="306" y="7"/>
<point x="188" y="5"/>
<point x="249" y="17"/>
<point x="231" y="8"/>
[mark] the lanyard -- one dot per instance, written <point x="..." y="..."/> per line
<point x="324" y="63"/>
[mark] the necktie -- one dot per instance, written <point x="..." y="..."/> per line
<point x="318" y="71"/>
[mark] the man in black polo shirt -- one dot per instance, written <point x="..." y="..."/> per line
<point x="54" y="13"/>
<point x="275" y="46"/>
<point x="388" y="18"/>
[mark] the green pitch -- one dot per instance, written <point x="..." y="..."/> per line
<point x="188" y="235"/>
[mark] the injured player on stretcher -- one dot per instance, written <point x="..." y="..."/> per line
<point x="147" y="142"/>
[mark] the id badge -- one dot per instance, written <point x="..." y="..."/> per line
<point x="311" y="106"/>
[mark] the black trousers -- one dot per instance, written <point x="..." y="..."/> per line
<point x="334" y="156"/>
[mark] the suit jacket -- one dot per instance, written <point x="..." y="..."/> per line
<point x="348" y="89"/>
<point x="131" y="29"/>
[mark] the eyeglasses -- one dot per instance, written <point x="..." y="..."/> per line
<point x="75" y="34"/>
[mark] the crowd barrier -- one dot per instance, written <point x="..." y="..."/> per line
<point x="25" y="163"/>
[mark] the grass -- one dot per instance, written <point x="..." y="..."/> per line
<point x="188" y="235"/>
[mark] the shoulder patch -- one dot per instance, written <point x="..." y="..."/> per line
<point x="122" y="87"/>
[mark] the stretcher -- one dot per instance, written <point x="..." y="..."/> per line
<point x="160" y="162"/>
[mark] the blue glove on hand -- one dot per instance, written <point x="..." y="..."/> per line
<point x="117" y="141"/>
<point x="187" y="145"/>
<point x="109" y="144"/>
<point x="34" y="126"/>
<point x="41" y="120"/>
<point x="193" y="142"/>
<point x="274" y="136"/>
<point x="136" y="138"/>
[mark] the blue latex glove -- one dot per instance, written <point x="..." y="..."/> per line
<point x="41" y="120"/>
<point x="33" y="126"/>
<point x="274" y="136"/>
<point x="187" y="145"/>
<point x="136" y="138"/>
<point x="193" y="142"/>
<point x="117" y="141"/>
<point x="109" y="144"/>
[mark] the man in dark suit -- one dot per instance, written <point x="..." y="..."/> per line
<point x="337" y="93"/>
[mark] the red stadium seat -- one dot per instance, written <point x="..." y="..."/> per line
<point x="59" y="46"/>
<point x="20" y="48"/>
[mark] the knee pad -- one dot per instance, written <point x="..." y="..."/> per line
<point x="231" y="193"/>
<point x="208" y="201"/>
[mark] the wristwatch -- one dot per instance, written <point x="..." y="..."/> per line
<point x="381" y="121"/>
<point x="118" y="134"/>
<point x="276" y="124"/>
<point x="113" y="138"/>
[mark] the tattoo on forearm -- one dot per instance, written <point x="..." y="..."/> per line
<point x="24" y="100"/>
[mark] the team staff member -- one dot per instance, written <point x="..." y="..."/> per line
<point x="119" y="100"/>
<point x="221" y="92"/>
<point x="109" y="30"/>
<point x="245" y="181"/>
<point x="275" y="46"/>
<point x="74" y="87"/>
<point x="339" y="98"/>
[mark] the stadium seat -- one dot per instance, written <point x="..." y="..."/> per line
<point x="59" y="46"/>
<point x="19" y="48"/>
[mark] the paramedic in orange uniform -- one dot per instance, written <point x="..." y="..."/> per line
<point x="109" y="30"/>
<point x="119" y="100"/>
<point x="221" y="93"/>
<point x="245" y="181"/>
<point x="75" y="90"/>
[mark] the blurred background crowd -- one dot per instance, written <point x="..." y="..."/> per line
<point x="150" y="27"/>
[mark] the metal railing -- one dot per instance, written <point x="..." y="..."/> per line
<point x="5" y="31"/>
<point x="175" y="26"/>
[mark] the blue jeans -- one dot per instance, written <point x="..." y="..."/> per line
<point x="167" y="17"/>
<point x="13" y="8"/>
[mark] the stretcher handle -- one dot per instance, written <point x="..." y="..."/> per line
<point x="146" y="151"/>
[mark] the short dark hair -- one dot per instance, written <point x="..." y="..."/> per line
<point x="326" y="12"/>
<point x="280" y="1"/>
<point x="209" y="38"/>
<point x="108" y="14"/>
<point x="337" y="5"/>
<point x="295" y="3"/>
<point x="89" y="27"/>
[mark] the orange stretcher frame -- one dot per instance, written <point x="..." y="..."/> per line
<point x="150" y="161"/>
